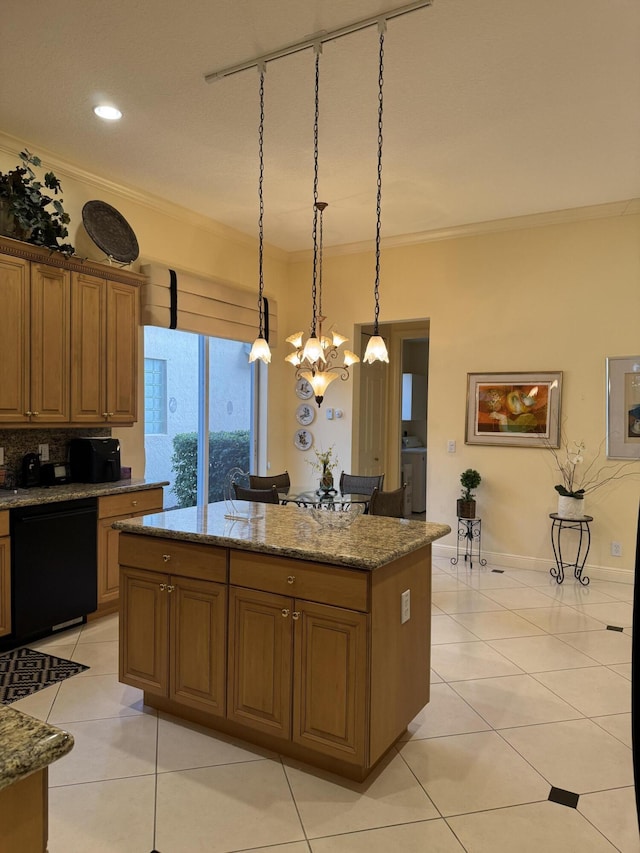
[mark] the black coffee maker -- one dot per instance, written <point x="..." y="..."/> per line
<point x="30" y="471"/>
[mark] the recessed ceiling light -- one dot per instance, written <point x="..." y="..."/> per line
<point x="109" y="113"/>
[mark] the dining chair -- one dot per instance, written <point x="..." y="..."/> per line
<point x="262" y="496"/>
<point x="388" y="503"/>
<point x="360" y="485"/>
<point x="280" y="481"/>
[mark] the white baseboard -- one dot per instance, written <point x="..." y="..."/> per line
<point x="537" y="564"/>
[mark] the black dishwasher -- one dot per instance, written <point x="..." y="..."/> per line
<point x="53" y="566"/>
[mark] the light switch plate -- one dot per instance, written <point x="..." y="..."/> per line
<point x="1" y="455"/>
<point x="43" y="451"/>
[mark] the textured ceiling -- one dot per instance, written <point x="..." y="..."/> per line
<point x="493" y="108"/>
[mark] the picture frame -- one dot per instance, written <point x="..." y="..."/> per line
<point x="514" y="409"/>
<point x="623" y="407"/>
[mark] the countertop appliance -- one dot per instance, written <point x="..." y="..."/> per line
<point x="94" y="460"/>
<point x="53" y="567"/>
<point x="54" y="474"/>
<point x="30" y="471"/>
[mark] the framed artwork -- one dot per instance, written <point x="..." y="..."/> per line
<point x="516" y="409"/>
<point x="623" y="408"/>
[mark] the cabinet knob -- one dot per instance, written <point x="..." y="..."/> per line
<point x="166" y="557"/>
<point x="296" y="614"/>
<point x="35" y="413"/>
<point x="134" y="503"/>
<point x="163" y="586"/>
<point x="105" y="414"/>
<point x="28" y="414"/>
<point x="170" y="587"/>
<point x="285" y="612"/>
<point x="110" y="414"/>
<point x="291" y="578"/>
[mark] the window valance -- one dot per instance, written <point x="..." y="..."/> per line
<point x="174" y="299"/>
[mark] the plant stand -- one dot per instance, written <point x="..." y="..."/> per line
<point x="469" y="533"/>
<point x="584" y="542"/>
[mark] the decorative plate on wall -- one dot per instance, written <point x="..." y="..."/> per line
<point x="303" y="389"/>
<point x="303" y="439"/>
<point x="110" y="231"/>
<point x="305" y="414"/>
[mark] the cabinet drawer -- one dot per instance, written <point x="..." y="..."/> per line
<point x="130" y="503"/>
<point x="4" y="523"/>
<point x="299" y="579"/>
<point x="185" y="559"/>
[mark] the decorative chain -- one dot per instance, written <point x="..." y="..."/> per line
<point x="379" y="195"/>
<point x="261" y="215"/>
<point x="315" y="193"/>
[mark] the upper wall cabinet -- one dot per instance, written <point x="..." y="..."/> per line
<point x="69" y="341"/>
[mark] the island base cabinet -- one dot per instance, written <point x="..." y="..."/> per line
<point x="320" y="702"/>
<point x="24" y="815"/>
<point x="172" y="638"/>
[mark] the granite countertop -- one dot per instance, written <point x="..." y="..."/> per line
<point x="72" y="491"/>
<point x="291" y="531"/>
<point x="28" y="745"/>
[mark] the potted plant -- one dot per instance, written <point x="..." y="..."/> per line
<point x="324" y="463"/>
<point x="466" y="505"/>
<point x="27" y="212"/>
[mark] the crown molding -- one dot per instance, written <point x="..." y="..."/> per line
<point x="473" y="229"/>
<point x="12" y="145"/>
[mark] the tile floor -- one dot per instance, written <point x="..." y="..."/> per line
<point x="529" y="691"/>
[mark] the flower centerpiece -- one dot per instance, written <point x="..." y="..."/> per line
<point x="324" y="463"/>
<point x="580" y="477"/>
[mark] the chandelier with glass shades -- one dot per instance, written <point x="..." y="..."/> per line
<point x="317" y="359"/>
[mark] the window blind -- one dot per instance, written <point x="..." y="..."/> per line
<point x="174" y="299"/>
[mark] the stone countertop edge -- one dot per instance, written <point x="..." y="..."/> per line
<point x="28" y="745"/>
<point x="73" y="491"/>
<point x="369" y="543"/>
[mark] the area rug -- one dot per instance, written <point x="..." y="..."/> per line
<point x="25" y="671"/>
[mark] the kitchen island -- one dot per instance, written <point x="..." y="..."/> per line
<point x="27" y="747"/>
<point x="281" y="630"/>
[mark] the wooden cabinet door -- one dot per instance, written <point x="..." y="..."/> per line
<point x="14" y="340"/>
<point x="330" y="681"/>
<point x="121" y="353"/>
<point x="198" y="628"/>
<point x="108" y="561"/>
<point x="88" y="357"/>
<point x="144" y="630"/>
<point x="5" y="586"/>
<point x="50" y="344"/>
<point x="260" y="654"/>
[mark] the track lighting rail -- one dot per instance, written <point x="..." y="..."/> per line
<point x="319" y="38"/>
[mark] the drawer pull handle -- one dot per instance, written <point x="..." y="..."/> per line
<point x="170" y="587"/>
<point x="134" y="503"/>
<point x="296" y="614"/>
<point x="163" y="586"/>
<point x="291" y="578"/>
<point x="285" y="612"/>
<point x="166" y="557"/>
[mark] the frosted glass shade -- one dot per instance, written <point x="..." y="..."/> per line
<point x="260" y="350"/>
<point x="313" y="351"/>
<point x="376" y="350"/>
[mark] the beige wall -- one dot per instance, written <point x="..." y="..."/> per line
<point x="557" y="297"/>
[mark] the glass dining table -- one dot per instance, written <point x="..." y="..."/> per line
<point x="302" y="496"/>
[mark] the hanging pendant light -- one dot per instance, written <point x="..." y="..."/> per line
<point x="260" y="349"/>
<point x="313" y="359"/>
<point x="376" y="348"/>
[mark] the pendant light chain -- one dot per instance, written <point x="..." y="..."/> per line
<point x="315" y="194"/>
<point x="261" y="213"/>
<point x="382" y="27"/>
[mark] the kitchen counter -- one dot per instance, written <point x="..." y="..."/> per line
<point x="28" y="745"/>
<point x="72" y="491"/>
<point x="27" y="748"/>
<point x="291" y="531"/>
<point x="278" y="629"/>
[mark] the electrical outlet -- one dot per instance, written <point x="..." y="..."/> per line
<point x="451" y="447"/>
<point x="1" y="455"/>
<point x="405" y="606"/>
<point x="43" y="452"/>
<point x="616" y="549"/>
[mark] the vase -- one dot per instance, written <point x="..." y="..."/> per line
<point x="570" y="507"/>
<point x="326" y="481"/>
